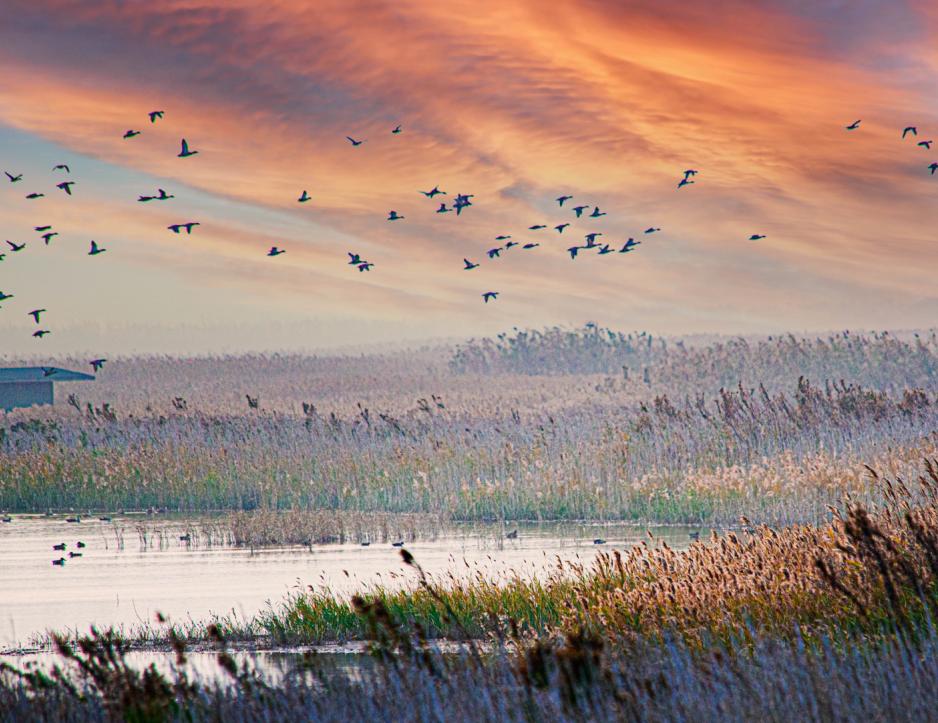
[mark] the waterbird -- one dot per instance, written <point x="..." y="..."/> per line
<point x="145" y="199"/>
<point x="185" y="538"/>
<point x="597" y="213"/>
<point x="510" y="244"/>
<point x="435" y="191"/>
<point x="2" y="257"/>
<point x="365" y="266"/>
<point x="353" y="141"/>
<point x="493" y="253"/>
<point x="176" y="227"/>
<point x="443" y="209"/>
<point x="925" y="144"/>
<point x="14" y="179"/>
<point x="304" y="197"/>
<point x="47" y="237"/>
<point x="652" y="229"/>
<point x="49" y="371"/>
<point x="909" y="129"/>
<point x="536" y="227"/>
<point x="60" y="546"/>
<point x="184" y="150"/>
<point x="502" y="238"/>
<point x="599" y="541"/>
<point x="35" y="313"/>
<point x="4" y="297"/>
<point x="690" y="172"/>
<point x="394" y="216"/>
<point x="365" y="543"/>
<point x="513" y="535"/>
<point x="561" y="199"/>
<point x="62" y="167"/>
<point x="355" y="259"/>
<point x="399" y="543"/>
<point x="105" y="518"/>
<point x="530" y="246"/>
<point x="60" y="561"/>
<point x="694" y="535"/>
<point x="853" y="126"/>
<point x="397" y="129"/>
<point x="628" y="245"/>
<point x="605" y="250"/>
<point x="933" y="167"/>
<point x="74" y="554"/>
<point x="31" y="196"/>
<point x="573" y="251"/>
<point x="96" y="364"/>
<point x="95" y="249"/>
<point x="16" y="247"/>
<point x="489" y="295"/>
<point x="66" y="186"/>
<point x="757" y="237"/>
<point x="6" y="519"/>
<point x="684" y="182"/>
<point x="42" y="228"/>
<point x="591" y="237"/>
<point x="274" y="251"/>
<point x="469" y="265"/>
<point x="560" y="227"/>
<point x="162" y="195"/>
<point x="131" y="134"/>
<point x="579" y="210"/>
<point x="154" y="114"/>
<point x="76" y="519"/>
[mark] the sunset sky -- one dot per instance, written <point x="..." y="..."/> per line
<point x="516" y="102"/>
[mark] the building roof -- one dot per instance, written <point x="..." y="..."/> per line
<point x="41" y="374"/>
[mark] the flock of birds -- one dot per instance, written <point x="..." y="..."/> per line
<point x="460" y="202"/>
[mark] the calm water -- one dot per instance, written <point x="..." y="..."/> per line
<point x="127" y="587"/>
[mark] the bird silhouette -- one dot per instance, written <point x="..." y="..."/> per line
<point x="469" y="265"/>
<point x="560" y="227"/>
<point x="131" y="134"/>
<point x="2" y="257"/>
<point x="274" y="251"/>
<point x="573" y="251"/>
<point x="177" y="227"/>
<point x="397" y="129"/>
<point x="14" y="179"/>
<point x="97" y="364"/>
<point x="36" y="313"/>
<point x="304" y="197"/>
<point x="42" y="228"/>
<point x="353" y="141"/>
<point x="47" y="237"/>
<point x="853" y="126"/>
<point x="462" y="200"/>
<point x="74" y="554"/>
<point x="561" y="199"/>
<point x="4" y="297"/>
<point x="162" y="195"/>
<point x="66" y="186"/>
<point x="536" y="227"/>
<point x="31" y="196"/>
<point x="597" y="213"/>
<point x="909" y="129"/>
<point x="510" y="244"/>
<point x="14" y="247"/>
<point x="491" y="252"/>
<point x="933" y="167"/>
<point x="629" y="245"/>
<point x="502" y="238"/>
<point x="513" y="535"/>
<point x="41" y="333"/>
<point x="599" y="541"/>
<point x="578" y="210"/>
<point x="95" y="249"/>
<point x="394" y="216"/>
<point x="925" y="144"/>
<point x="489" y="295"/>
<point x="184" y="150"/>
<point x="591" y="237"/>
<point x="62" y="167"/>
<point x="365" y="266"/>
<point x="60" y="546"/>
<point x="145" y="199"/>
<point x="530" y="246"/>
<point x="80" y="544"/>
<point x="435" y="191"/>
<point x="154" y="114"/>
<point x="652" y="229"/>
<point x="603" y="250"/>
<point x="399" y="543"/>
<point x="684" y="182"/>
<point x="757" y="237"/>
<point x="443" y="209"/>
<point x="690" y="172"/>
<point x="355" y="259"/>
<point x="60" y="562"/>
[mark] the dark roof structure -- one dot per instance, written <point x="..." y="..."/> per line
<point x="42" y="374"/>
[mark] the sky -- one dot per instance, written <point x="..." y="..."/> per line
<point x="515" y="102"/>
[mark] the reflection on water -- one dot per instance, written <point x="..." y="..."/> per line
<point x="108" y="586"/>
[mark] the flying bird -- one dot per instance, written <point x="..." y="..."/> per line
<point x="530" y="246"/>
<point x="35" y="195"/>
<point x="502" y="238"/>
<point x="66" y="186"/>
<point x="510" y="244"/>
<point x="561" y="199"/>
<point x="47" y="237"/>
<point x="355" y="259"/>
<point x="652" y="229"/>
<point x="684" y="182"/>
<point x="365" y="266"/>
<point x="573" y="251"/>
<point x="933" y="167"/>
<point x="397" y="129"/>
<point x="629" y="245"/>
<point x="96" y="364"/>
<point x="591" y="237"/>
<point x="491" y="252"/>
<point x="690" y="172"/>
<point x="274" y="251"/>
<point x="163" y="196"/>
<point x="394" y="216"/>
<point x="304" y="197"/>
<point x="95" y="249"/>
<point x="39" y="334"/>
<point x="603" y="250"/>
<point x="536" y="227"/>
<point x="579" y="210"/>
<point x="597" y="213"/>
<point x="469" y="265"/>
<point x="35" y="313"/>
<point x="489" y="295"/>
<point x="131" y="134"/>
<point x="560" y="227"/>
<point x="154" y="114"/>
<point x="4" y="297"/>
<point x="185" y="152"/>
<point x="177" y="227"/>
<point x="145" y="199"/>
<point x="62" y="167"/>
<point x="43" y="228"/>
<point x="443" y="209"/>
<point x="16" y="247"/>
<point x="435" y="191"/>
<point x="853" y="126"/>
<point x="757" y="237"/>
<point x="909" y="129"/>
<point x="353" y="141"/>
<point x="925" y="144"/>
<point x="14" y="179"/>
